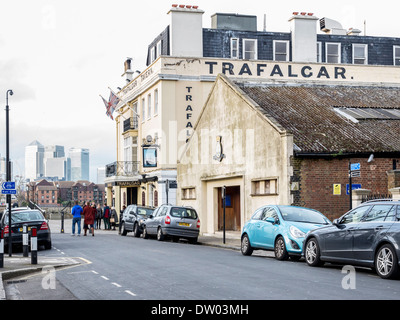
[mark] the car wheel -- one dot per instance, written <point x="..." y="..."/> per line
<point x="386" y="262"/>
<point x="312" y="253"/>
<point x="47" y="245"/>
<point x="145" y="234"/>
<point x="245" y="246"/>
<point x="136" y="232"/>
<point x="280" y="249"/>
<point x="123" y="230"/>
<point x="192" y="240"/>
<point x="160" y="236"/>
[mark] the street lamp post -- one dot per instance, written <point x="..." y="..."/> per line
<point x="8" y="172"/>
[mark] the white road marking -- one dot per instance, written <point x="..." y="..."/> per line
<point x="130" y="292"/>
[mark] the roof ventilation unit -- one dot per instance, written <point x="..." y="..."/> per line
<point x="331" y="27"/>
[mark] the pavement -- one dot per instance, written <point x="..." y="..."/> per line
<point x="17" y="265"/>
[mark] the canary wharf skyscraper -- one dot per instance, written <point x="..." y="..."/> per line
<point x="79" y="163"/>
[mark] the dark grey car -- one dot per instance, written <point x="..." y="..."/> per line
<point x="368" y="235"/>
<point x="133" y="219"/>
<point x="173" y="221"/>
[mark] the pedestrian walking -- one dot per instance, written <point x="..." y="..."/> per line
<point x="106" y="217"/>
<point x="99" y="216"/>
<point x="89" y="214"/>
<point x="76" y="217"/>
<point x="113" y="218"/>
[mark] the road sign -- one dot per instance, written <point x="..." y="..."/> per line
<point x="6" y="191"/>
<point x="354" y="186"/>
<point x="355" y="167"/>
<point x="9" y="185"/>
<point x="355" y="174"/>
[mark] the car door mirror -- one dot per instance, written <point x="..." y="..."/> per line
<point x="271" y="220"/>
<point x="336" y="222"/>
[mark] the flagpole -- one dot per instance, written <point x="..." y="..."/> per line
<point x="124" y="103"/>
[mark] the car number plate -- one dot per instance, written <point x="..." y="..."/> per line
<point x="21" y="229"/>
<point x="184" y="224"/>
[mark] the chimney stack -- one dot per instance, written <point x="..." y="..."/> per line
<point x="304" y="37"/>
<point x="186" y="31"/>
<point x="128" y="70"/>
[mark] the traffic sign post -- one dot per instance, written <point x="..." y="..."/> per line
<point x="354" y="172"/>
<point x="8" y="188"/>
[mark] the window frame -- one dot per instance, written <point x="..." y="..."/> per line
<point x="365" y="47"/>
<point x="286" y="42"/>
<point x="394" y="55"/>
<point x="235" y="49"/>
<point x="339" y="54"/>
<point x="255" y="41"/>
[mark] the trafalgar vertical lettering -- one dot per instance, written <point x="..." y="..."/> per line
<point x="189" y="112"/>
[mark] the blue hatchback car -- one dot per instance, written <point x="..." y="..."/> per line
<point x="280" y="228"/>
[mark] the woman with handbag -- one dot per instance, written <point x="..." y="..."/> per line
<point x="113" y="218"/>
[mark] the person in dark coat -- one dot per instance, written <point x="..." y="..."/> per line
<point x="89" y="213"/>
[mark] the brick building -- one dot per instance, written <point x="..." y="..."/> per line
<point x="288" y="143"/>
<point x="53" y="194"/>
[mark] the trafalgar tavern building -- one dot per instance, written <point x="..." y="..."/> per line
<point x="274" y="117"/>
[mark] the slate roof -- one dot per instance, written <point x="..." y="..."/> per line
<point x="308" y="112"/>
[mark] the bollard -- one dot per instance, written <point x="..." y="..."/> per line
<point x="33" y="245"/>
<point x="2" y="249"/>
<point x="25" y="241"/>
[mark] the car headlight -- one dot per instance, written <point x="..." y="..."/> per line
<point x="296" y="233"/>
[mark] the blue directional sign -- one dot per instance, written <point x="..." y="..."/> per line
<point x="355" y="166"/>
<point x="9" y="185"/>
<point x="6" y="191"/>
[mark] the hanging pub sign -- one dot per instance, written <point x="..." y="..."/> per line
<point x="149" y="157"/>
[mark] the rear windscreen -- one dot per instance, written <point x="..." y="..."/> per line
<point x="184" y="213"/>
<point x="145" y="211"/>
<point x="26" y="216"/>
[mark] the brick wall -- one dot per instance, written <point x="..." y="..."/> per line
<point x="316" y="178"/>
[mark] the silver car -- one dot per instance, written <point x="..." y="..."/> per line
<point x="173" y="221"/>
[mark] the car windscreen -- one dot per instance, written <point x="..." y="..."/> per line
<point x="24" y="216"/>
<point x="296" y="214"/>
<point x="183" y="213"/>
<point x="144" y="211"/>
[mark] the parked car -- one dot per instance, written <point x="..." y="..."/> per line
<point x="280" y="228"/>
<point x="133" y="219"/>
<point x="173" y="221"/>
<point x="368" y="235"/>
<point x="32" y="218"/>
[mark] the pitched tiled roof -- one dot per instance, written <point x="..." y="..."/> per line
<point x="308" y="112"/>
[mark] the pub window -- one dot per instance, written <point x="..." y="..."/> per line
<point x="249" y="49"/>
<point x="281" y="50"/>
<point x="188" y="193"/>
<point x="155" y="101"/>
<point x="152" y="54"/>
<point x="360" y="54"/>
<point x="265" y="187"/>
<point x="235" y="48"/>
<point x="143" y="109"/>
<point x="333" y="52"/>
<point x="149" y="106"/>
<point x="159" y="48"/>
<point x="396" y="55"/>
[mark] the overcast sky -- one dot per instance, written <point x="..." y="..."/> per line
<point x="58" y="56"/>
